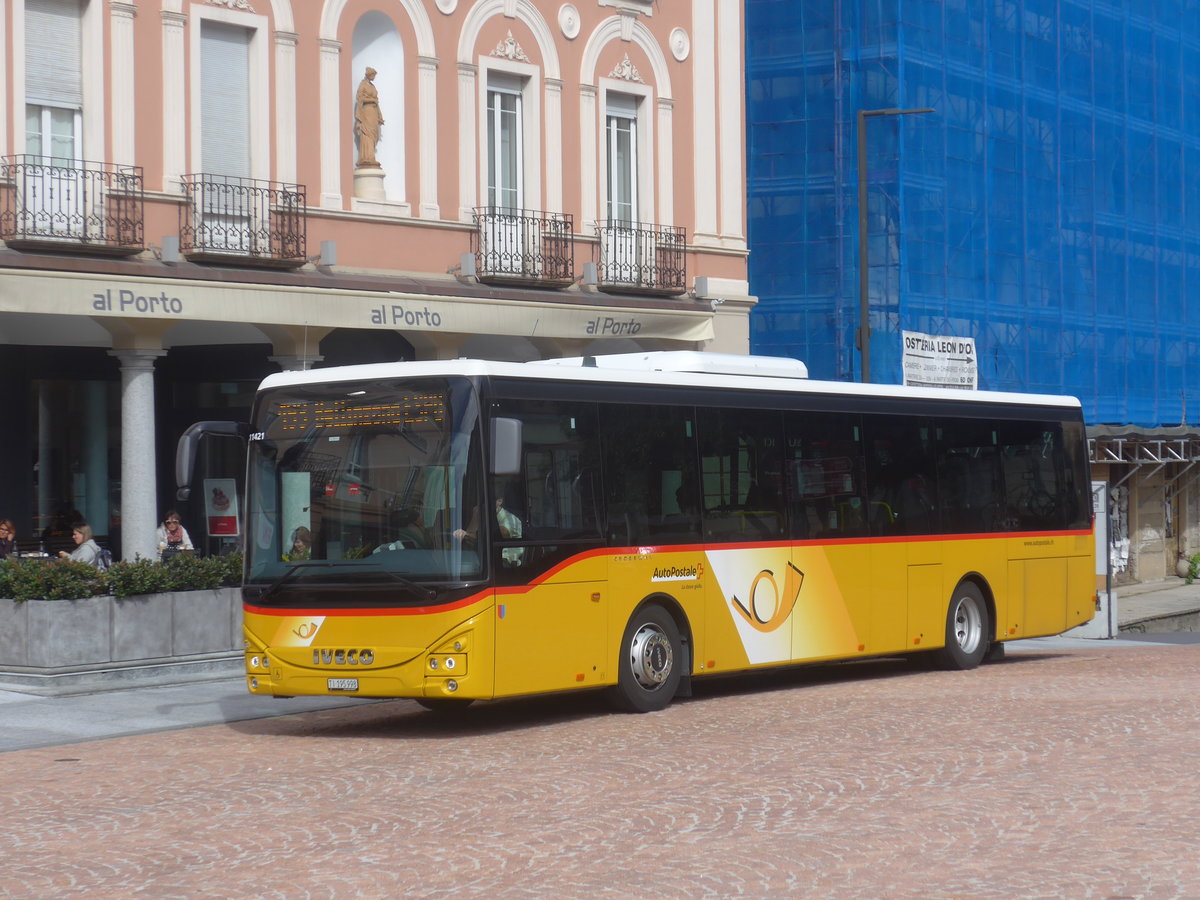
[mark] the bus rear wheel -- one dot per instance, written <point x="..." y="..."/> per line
<point x="651" y="662"/>
<point x="968" y="630"/>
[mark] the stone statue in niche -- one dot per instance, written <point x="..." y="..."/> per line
<point x="367" y="121"/>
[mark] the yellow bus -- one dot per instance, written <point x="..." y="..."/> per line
<point x="459" y="530"/>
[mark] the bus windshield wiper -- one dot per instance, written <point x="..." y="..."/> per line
<point x="278" y="582"/>
<point x="418" y="589"/>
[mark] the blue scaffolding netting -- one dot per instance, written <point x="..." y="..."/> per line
<point x="1048" y="207"/>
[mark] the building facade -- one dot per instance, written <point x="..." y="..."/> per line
<point x="196" y="193"/>
<point x="1032" y="179"/>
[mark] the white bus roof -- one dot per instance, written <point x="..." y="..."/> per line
<point x="722" y="371"/>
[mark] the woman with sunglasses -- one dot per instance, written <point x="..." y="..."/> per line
<point x="172" y="536"/>
<point x="8" y="539"/>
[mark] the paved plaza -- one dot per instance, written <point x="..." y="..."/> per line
<point x="1066" y="770"/>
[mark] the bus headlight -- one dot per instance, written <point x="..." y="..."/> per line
<point x="445" y="663"/>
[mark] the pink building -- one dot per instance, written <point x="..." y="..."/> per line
<point x="197" y="193"/>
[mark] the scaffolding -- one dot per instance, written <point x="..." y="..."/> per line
<point x="1046" y="208"/>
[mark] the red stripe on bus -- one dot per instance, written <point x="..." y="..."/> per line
<point x="478" y="597"/>
<point x="511" y="590"/>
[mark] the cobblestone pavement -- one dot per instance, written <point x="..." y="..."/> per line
<point x="1055" y="773"/>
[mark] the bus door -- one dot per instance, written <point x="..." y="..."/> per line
<point x="827" y="519"/>
<point x="1042" y="491"/>
<point x="551" y="573"/>
<point x="909" y="600"/>
<point x="782" y="523"/>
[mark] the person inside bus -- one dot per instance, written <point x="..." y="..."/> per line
<point x="302" y="541"/>
<point x="409" y="535"/>
<point x="508" y="525"/>
<point x="686" y="520"/>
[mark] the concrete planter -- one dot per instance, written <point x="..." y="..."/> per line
<point x="56" y="646"/>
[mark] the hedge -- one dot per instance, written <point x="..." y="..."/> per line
<point x="50" y="579"/>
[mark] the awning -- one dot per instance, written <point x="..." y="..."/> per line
<point x="174" y="300"/>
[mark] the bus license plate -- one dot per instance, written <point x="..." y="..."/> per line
<point x="343" y="684"/>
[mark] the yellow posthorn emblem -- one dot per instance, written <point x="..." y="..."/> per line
<point x="782" y="606"/>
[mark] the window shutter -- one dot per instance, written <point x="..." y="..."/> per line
<point x="224" y="99"/>
<point x="624" y="106"/>
<point x="53" y="74"/>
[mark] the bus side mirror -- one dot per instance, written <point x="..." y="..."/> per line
<point x="189" y="442"/>
<point x="506" y="446"/>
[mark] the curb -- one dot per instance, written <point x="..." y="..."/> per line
<point x="1186" y="620"/>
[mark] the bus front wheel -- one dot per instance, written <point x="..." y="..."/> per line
<point x="651" y="663"/>
<point x="968" y="629"/>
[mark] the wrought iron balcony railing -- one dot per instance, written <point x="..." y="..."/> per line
<point x="640" y="258"/>
<point x="51" y="203"/>
<point x="523" y="246"/>
<point x="244" y="221"/>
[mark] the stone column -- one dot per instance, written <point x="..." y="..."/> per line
<point x="122" y="89"/>
<point x="333" y="129"/>
<point x="174" y="124"/>
<point x="468" y="160"/>
<point x="704" y="124"/>
<point x="427" y="111"/>
<point x="552" y="196"/>
<point x="139" y="472"/>
<point x="665" y="214"/>
<point x="730" y="115"/>
<point x="593" y="185"/>
<point x="285" y="106"/>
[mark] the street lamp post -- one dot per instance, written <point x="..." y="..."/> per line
<point x="864" y="304"/>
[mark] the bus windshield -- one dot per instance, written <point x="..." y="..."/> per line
<point x="361" y="484"/>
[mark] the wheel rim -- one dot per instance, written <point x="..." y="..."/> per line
<point x="651" y="657"/>
<point x="968" y="624"/>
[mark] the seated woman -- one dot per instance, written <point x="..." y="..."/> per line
<point x="8" y="539"/>
<point x="86" y="549"/>
<point x="172" y="536"/>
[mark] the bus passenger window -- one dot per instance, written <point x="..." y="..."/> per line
<point x="741" y="474"/>
<point x="901" y="475"/>
<point x="969" y="476"/>
<point x="649" y="455"/>
<point x="824" y="475"/>
<point x="1038" y="484"/>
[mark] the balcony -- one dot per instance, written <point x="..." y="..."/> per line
<point x="523" y="246"/>
<point x="640" y="258"/>
<point x="243" y="221"/>
<point x="50" y="203"/>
